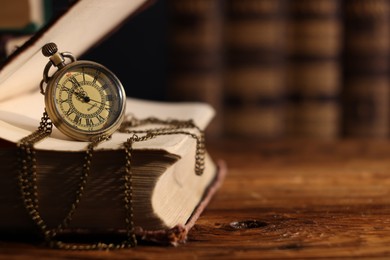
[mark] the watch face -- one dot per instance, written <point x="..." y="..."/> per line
<point x="84" y="99"/>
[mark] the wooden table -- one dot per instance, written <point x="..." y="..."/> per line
<point x="291" y="200"/>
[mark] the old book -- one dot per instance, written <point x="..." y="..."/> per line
<point x="19" y="20"/>
<point x="168" y="195"/>
<point x="254" y="69"/>
<point x="195" y="54"/>
<point x="314" y="77"/>
<point x="24" y="16"/>
<point x="366" y="69"/>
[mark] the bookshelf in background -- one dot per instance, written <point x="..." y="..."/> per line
<point x="19" y="20"/>
<point x="195" y="48"/>
<point x="366" y="68"/>
<point x="254" y="68"/>
<point x="314" y="69"/>
<point x="24" y="16"/>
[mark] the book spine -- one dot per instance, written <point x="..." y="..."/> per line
<point x="24" y="17"/>
<point x="195" y="43"/>
<point x="366" y="68"/>
<point x="314" y="69"/>
<point x="254" y="72"/>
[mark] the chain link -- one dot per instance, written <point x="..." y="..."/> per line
<point x="28" y="185"/>
<point x="27" y="174"/>
<point x="170" y="127"/>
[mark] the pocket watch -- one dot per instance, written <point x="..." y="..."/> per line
<point x="83" y="99"/>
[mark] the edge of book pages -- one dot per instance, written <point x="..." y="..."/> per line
<point x="178" y="234"/>
<point x="17" y="225"/>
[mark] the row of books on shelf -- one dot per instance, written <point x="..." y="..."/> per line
<point x="276" y="68"/>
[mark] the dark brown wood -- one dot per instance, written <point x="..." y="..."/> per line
<point x="291" y="200"/>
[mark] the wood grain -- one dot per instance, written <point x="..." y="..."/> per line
<point x="291" y="200"/>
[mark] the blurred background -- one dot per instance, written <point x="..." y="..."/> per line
<point x="273" y="69"/>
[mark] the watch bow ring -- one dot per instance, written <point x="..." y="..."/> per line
<point x="83" y="99"/>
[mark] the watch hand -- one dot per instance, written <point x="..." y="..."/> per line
<point x="90" y="108"/>
<point x="82" y="96"/>
<point x="75" y="82"/>
<point x="105" y="104"/>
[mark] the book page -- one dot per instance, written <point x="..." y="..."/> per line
<point x="21" y="116"/>
<point x="76" y="31"/>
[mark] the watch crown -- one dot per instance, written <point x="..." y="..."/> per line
<point x="49" y="49"/>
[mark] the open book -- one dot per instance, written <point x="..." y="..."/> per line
<point x="168" y="195"/>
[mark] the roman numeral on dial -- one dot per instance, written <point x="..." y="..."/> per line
<point x="77" y="119"/>
<point x="100" y="118"/>
<point x="88" y="122"/>
<point x="96" y="76"/>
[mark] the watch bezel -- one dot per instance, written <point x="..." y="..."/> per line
<point x="57" y="117"/>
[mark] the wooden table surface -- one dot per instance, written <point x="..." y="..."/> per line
<point x="289" y="200"/>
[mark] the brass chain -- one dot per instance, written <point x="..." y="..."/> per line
<point x="28" y="185"/>
<point x="170" y="127"/>
<point x="29" y="191"/>
<point x="27" y="173"/>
